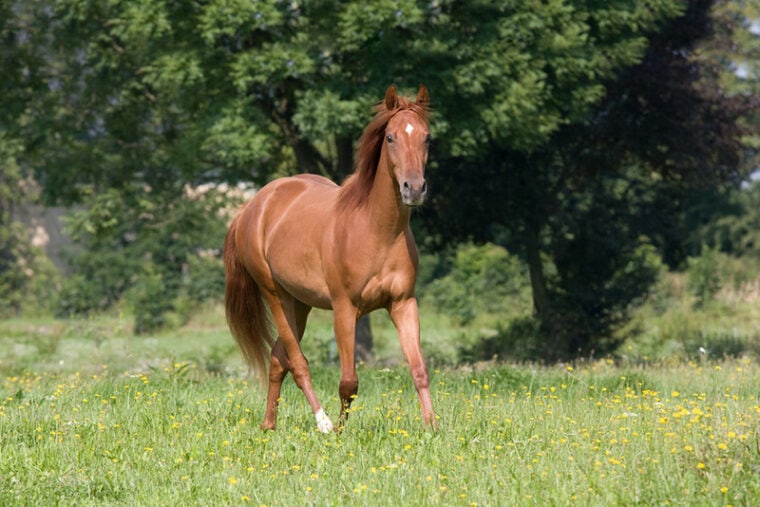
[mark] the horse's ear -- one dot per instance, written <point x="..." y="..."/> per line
<point x="391" y="98"/>
<point x="423" y="99"/>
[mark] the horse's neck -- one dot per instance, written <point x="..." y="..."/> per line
<point x="387" y="215"/>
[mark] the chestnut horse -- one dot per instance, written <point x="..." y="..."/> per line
<point x="305" y="242"/>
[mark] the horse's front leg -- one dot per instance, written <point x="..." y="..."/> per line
<point x="405" y="317"/>
<point x="344" y="321"/>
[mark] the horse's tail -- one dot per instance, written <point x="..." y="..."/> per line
<point x="247" y="314"/>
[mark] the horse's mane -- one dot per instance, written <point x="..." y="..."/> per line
<point x="355" y="190"/>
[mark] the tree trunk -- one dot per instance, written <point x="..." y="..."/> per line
<point x="555" y="342"/>
<point x="308" y="158"/>
<point x="364" y="340"/>
<point x="344" y="147"/>
<point x="537" y="278"/>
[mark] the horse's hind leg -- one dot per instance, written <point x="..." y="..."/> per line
<point x="279" y="367"/>
<point x="290" y="319"/>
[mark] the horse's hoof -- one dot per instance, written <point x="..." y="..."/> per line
<point x="324" y="423"/>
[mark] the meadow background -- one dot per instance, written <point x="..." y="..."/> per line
<point x="91" y="414"/>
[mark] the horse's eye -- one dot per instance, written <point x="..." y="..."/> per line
<point x="389" y="137"/>
<point x="427" y="139"/>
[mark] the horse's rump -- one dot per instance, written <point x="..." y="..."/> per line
<point x="286" y="224"/>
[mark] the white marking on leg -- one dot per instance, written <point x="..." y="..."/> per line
<point x="409" y="128"/>
<point x="324" y="423"/>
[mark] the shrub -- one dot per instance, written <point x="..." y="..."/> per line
<point x="704" y="275"/>
<point x="100" y="279"/>
<point x="482" y="279"/>
<point x="519" y="340"/>
<point x="28" y="279"/>
<point x="203" y="279"/>
<point x="149" y="301"/>
<point x="160" y="251"/>
<point x="452" y="298"/>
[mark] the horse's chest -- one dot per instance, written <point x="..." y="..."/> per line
<point x="380" y="289"/>
<point x="373" y="295"/>
<point x="373" y="272"/>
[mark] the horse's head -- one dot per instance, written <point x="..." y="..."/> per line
<point x="407" y="138"/>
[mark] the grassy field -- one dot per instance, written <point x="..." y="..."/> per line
<point x="90" y="415"/>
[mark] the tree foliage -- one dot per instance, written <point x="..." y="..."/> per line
<point x="20" y="87"/>
<point x="162" y="256"/>
<point x="586" y="209"/>
<point x="570" y="131"/>
<point x="165" y="93"/>
<point x="480" y="279"/>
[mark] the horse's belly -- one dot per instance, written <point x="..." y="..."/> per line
<point x="308" y="292"/>
<point x="295" y="262"/>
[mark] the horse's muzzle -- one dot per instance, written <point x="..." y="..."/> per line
<point x="413" y="192"/>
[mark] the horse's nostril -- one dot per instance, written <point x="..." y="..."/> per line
<point x="406" y="185"/>
<point x="423" y="189"/>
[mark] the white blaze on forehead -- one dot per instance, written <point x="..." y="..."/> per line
<point x="409" y="128"/>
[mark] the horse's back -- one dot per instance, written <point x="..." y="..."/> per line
<point x="305" y="194"/>
<point x="316" y="178"/>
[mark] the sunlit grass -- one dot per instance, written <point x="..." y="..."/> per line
<point x="172" y="419"/>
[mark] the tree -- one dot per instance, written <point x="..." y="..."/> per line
<point x="21" y="84"/>
<point x="586" y="208"/>
<point x="152" y="95"/>
<point x="14" y="245"/>
<point x="165" y="93"/>
<point x="724" y="217"/>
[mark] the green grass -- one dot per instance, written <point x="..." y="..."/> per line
<point x="90" y="415"/>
